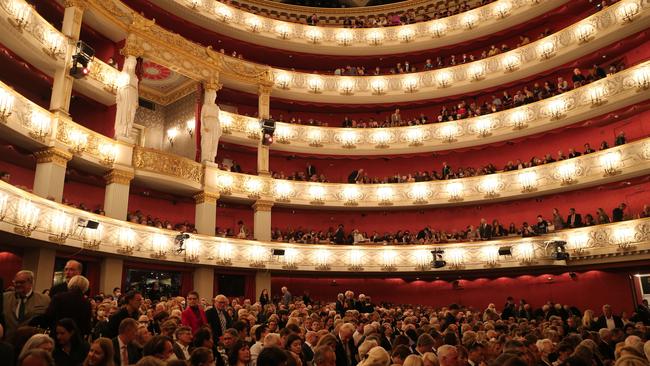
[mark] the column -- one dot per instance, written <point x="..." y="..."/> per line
<point x="62" y="84"/>
<point x="262" y="281"/>
<point x="116" y="196"/>
<point x="41" y="262"/>
<point x="262" y="220"/>
<point x="204" y="282"/>
<point x="264" y="111"/>
<point x="50" y="173"/>
<point x="205" y="217"/>
<point x="110" y="274"/>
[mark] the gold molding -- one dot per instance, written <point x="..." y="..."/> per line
<point x="118" y="176"/>
<point x="166" y="99"/>
<point x="53" y="155"/>
<point x="132" y="47"/>
<point x="167" y="164"/>
<point x="82" y="4"/>
<point x="262" y="205"/>
<point x="206" y="197"/>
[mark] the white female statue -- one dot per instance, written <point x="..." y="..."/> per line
<point x="210" y="126"/>
<point x="127" y="99"/>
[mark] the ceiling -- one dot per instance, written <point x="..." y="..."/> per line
<point x="163" y="86"/>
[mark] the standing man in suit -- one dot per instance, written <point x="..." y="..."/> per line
<point x="618" y="214"/>
<point x="608" y="319"/>
<point x="311" y="170"/>
<point x="355" y="176"/>
<point x="131" y="309"/>
<point x="218" y="318"/>
<point x="72" y="268"/>
<point x="22" y="305"/>
<point x="286" y="296"/>
<point x="574" y="219"/>
<point x="485" y="230"/>
<point x="125" y="351"/>
<point x="193" y="316"/>
<point x="346" y="351"/>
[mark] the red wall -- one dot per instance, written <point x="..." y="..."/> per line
<point x="173" y="211"/>
<point x="10" y="263"/>
<point x="477" y="293"/>
<point x="93" y="115"/>
<point x="20" y="176"/>
<point x="229" y="214"/>
<point x="90" y="195"/>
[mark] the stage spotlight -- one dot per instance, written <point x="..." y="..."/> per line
<point x="179" y="240"/>
<point x="438" y="262"/>
<point x="80" y="60"/>
<point x="268" y="129"/>
<point x="559" y="250"/>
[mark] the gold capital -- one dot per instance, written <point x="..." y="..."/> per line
<point x="206" y="197"/>
<point x="212" y="85"/>
<point x="82" y="4"/>
<point x="262" y="205"/>
<point x="264" y="89"/>
<point x="132" y="47"/>
<point x="53" y="155"/>
<point x="118" y="176"/>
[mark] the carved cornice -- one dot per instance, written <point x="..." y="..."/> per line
<point x="212" y="85"/>
<point x="263" y="205"/>
<point x="171" y="165"/>
<point x="118" y="176"/>
<point x="132" y="47"/>
<point x="264" y="89"/>
<point x="206" y="197"/>
<point x="53" y="155"/>
<point x="167" y="98"/>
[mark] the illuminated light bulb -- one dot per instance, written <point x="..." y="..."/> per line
<point x="344" y="37"/>
<point x="283" y="30"/>
<point x="192" y="250"/>
<point x="546" y="49"/>
<point x="346" y="86"/>
<point x="511" y="62"/>
<point x="92" y="238"/>
<point x="254" y="187"/>
<point x="60" y="227"/>
<point x="283" y="190"/>
<point x="438" y="28"/>
<point x="190" y="125"/>
<point x="7" y="100"/>
<point x="254" y="23"/>
<point x="525" y="252"/>
<point x="490" y="186"/>
<point x="585" y="32"/>
<point x="283" y="80"/>
<point x="476" y="71"/>
<point x="455" y="191"/>
<point x="611" y="163"/>
<point x="623" y="237"/>
<point x="375" y="37"/>
<point x="349" y="139"/>
<point x="484" y="126"/>
<point x="226" y="122"/>
<point x="315" y="138"/>
<point x="26" y="217"/>
<point x="381" y="138"/>
<point x="172" y="133"/>
<point x="422" y="259"/>
<point x="40" y="125"/>
<point x="283" y="133"/>
<point x="322" y="259"/>
<point x="314" y="35"/>
<point x="519" y="118"/>
<point x="290" y="258"/>
<point x="406" y="34"/>
<point x="527" y="180"/>
<point x="578" y="242"/>
<point x="224" y="253"/>
<point x="108" y="153"/>
<point x="315" y="84"/>
<point x="253" y="129"/>
<point x="502" y="9"/>
<point x="257" y="256"/>
<point x="225" y="182"/>
<point x="568" y="173"/>
<point x="317" y="194"/>
<point x="556" y="108"/>
<point x="641" y="77"/>
<point x="490" y="254"/>
<point x="456" y="257"/>
<point x="355" y="260"/>
<point x="223" y="12"/>
<point x="469" y="20"/>
<point x="419" y="193"/>
<point x="414" y="136"/>
<point x="4" y="205"/>
<point x="351" y="195"/>
<point x="385" y="196"/>
<point x="125" y="241"/>
<point x="410" y="84"/>
<point x="159" y="246"/>
<point x="388" y="260"/>
<point x="54" y="42"/>
<point x="21" y="13"/>
<point x="597" y="94"/>
<point x="444" y="78"/>
<point x="79" y="141"/>
<point x="378" y="85"/>
<point x="627" y="11"/>
<point x="449" y="132"/>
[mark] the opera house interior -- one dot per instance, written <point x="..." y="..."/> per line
<point x="325" y="182"/>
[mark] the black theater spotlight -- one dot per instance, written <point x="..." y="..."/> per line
<point x="268" y="129"/>
<point x="559" y="250"/>
<point x="438" y="262"/>
<point x="80" y="60"/>
<point x="179" y="240"/>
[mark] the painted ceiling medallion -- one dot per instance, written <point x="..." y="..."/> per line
<point x="153" y="71"/>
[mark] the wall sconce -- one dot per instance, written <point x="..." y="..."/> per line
<point x="623" y="237"/>
<point x="527" y="181"/>
<point x="476" y="71"/>
<point x="171" y="135"/>
<point x="226" y="123"/>
<point x="519" y="118"/>
<point x="315" y="84"/>
<point x="511" y="62"/>
<point x="385" y="196"/>
<point x="254" y="23"/>
<point x="346" y="86"/>
<point x="410" y="84"/>
<point x="378" y="86"/>
<point x="355" y="260"/>
<point x="351" y="195"/>
<point x="641" y="77"/>
<point x="54" y="42"/>
<point x="40" y="125"/>
<point x="283" y="134"/>
<point x="60" y="227"/>
<point x="225" y="183"/>
<point x="349" y="139"/>
<point x="490" y="186"/>
<point x="4" y="205"/>
<point x="578" y="242"/>
<point x="611" y="163"/>
<point x="159" y="246"/>
<point x="224" y="254"/>
<point x="388" y="260"/>
<point x="254" y="187"/>
<point x="422" y="259"/>
<point x="469" y="20"/>
<point x="314" y="35"/>
<point x="92" y="238"/>
<point x="381" y="138"/>
<point x="283" y="30"/>
<point x="125" y="241"/>
<point x="438" y="28"/>
<point x="322" y="259"/>
<point x="192" y="250"/>
<point x="490" y="254"/>
<point x="26" y="218"/>
<point x="283" y="80"/>
<point x="546" y="49"/>
<point x="406" y="34"/>
<point x="414" y="136"/>
<point x="78" y="140"/>
<point x="283" y="190"/>
<point x="456" y="257"/>
<point x="20" y="12"/>
<point x="525" y="252"/>
<point x="444" y="78"/>
<point x="344" y="37"/>
<point x="627" y="11"/>
<point x="315" y="138"/>
<point x="190" y="125"/>
<point x="375" y="37"/>
<point x="483" y="126"/>
<point x="502" y="9"/>
<point x="585" y="32"/>
<point x="568" y="173"/>
<point x="290" y="259"/>
<point x="223" y="12"/>
<point x="7" y="100"/>
<point x="108" y="153"/>
<point x="455" y="191"/>
<point x="419" y="193"/>
<point x="449" y="132"/>
<point x="317" y="194"/>
<point x="556" y="108"/>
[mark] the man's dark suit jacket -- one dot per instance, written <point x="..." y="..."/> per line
<point x="57" y="289"/>
<point x="577" y="223"/>
<point x="602" y="322"/>
<point x="71" y="304"/>
<point x="134" y="353"/>
<point x="215" y="324"/>
<point x="341" y="355"/>
<point x="179" y="352"/>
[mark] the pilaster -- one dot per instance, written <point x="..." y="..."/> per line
<point x="116" y="195"/>
<point x="262" y="282"/>
<point x="205" y="219"/>
<point x="49" y="178"/>
<point x="110" y="274"/>
<point x="262" y="220"/>
<point x="204" y="282"/>
<point x="40" y="261"/>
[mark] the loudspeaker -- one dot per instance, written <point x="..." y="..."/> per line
<point x="278" y="251"/>
<point x="92" y="224"/>
<point x="505" y="251"/>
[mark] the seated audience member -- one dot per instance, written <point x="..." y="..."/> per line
<point x="36" y="357"/>
<point x="126" y="352"/>
<point x="70" y="348"/>
<point x="183" y="337"/>
<point x="100" y="353"/>
<point x="38" y="341"/>
<point x="573" y="219"/>
<point x="202" y="356"/>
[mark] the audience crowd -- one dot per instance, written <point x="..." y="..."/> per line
<point x="65" y="327"/>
